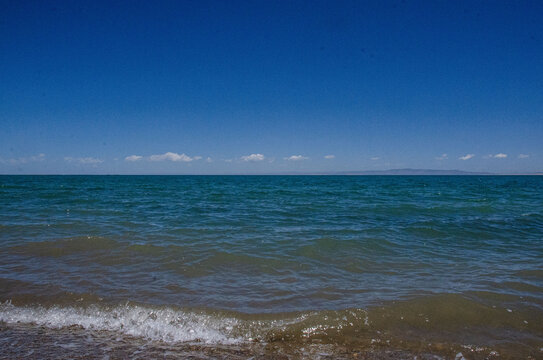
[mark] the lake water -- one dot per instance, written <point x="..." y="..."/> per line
<point x="293" y="266"/>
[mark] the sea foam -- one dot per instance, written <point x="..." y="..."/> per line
<point x="166" y="325"/>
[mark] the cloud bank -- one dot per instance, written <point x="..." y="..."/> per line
<point x="133" y="158"/>
<point x="296" y="158"/>
<point x="171" y="156"/>
<point x="467" y="157"/>
<point x="23" y="160"/>
<point x="253" y="157"/>
<point x="84" y="160"/>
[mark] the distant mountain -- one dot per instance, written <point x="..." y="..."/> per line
<point x="411" y="172"/>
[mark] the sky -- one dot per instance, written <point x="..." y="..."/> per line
<point x="227" y="87"/>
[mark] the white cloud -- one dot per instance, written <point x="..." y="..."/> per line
<point x="375" y="158"/>
<point x="329" y="157"/>
<point x="296" y="158"/>
<point x="170" y="156"/>
<point x="24" y="160"/>
<point x="523" y="156"/>
<point x="133" y="158"/>
<point x="497" y="156"/>
<point x="208" y="159"/>
<point x="253" y="157"/>
<point x="442" y="157"/>
<point x="39" y="157"/>
<point x="84" y="160"/>
<point x="197" y="158"/>
<point x="467" y="157"/>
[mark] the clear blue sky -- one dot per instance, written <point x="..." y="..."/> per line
<point x="270" y="86"/>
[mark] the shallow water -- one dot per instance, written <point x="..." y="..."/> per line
<point x="240" y="266"/>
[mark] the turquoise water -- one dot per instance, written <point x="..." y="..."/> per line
<point x="239" y="259"/>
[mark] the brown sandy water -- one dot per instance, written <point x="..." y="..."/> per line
<point x="433" y="326"/>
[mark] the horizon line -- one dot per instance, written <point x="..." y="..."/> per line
<point x="389" y="172"/>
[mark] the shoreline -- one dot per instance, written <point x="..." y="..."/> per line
<point x="436" y="325"/>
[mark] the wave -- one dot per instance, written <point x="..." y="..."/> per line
<point x="166" y="324"/>
<point x="457" y="320"/>
<point x="173" y="325"/>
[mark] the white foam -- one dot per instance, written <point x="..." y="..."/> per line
<point x="459" y="356"/>
<point x="166" y="325"/>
